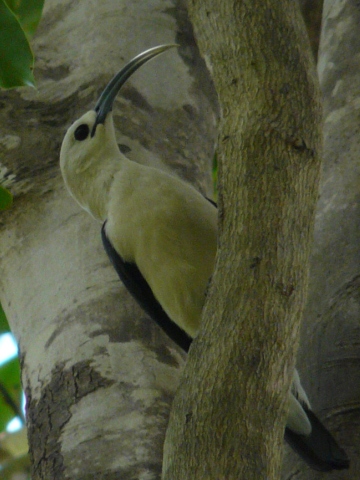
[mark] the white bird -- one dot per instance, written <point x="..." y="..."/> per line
<point x="161" y="236"/>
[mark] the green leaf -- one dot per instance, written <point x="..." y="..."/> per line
<point x="28" y="12"/>
<point x="4" y="326"/>
<point x="10" y="389"/>
<point x="16" y="58"/>
<point x="5" y="198"/>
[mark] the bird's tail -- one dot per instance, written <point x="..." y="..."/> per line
<point x="319" y="450"/>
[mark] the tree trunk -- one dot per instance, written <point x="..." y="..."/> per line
<point x="228" y="417"/>
<point x="330" y="351"/>
<point x="98" y="374"/>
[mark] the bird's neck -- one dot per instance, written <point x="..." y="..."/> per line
<point x="93" y="186"/>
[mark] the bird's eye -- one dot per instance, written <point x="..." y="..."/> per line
<point x="82" y="132"/>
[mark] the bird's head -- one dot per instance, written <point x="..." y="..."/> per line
<point x="91" y="139"/>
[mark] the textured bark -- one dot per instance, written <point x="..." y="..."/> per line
<point x="99" y="376"/>
<point x="228" y="416"/>
<point x="330" y="353"/>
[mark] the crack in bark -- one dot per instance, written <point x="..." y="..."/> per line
<point x="65" y="389"/>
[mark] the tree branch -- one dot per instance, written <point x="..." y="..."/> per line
<point x="229" y="414"/>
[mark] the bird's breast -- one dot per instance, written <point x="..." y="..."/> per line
<point x="170" y="234"/>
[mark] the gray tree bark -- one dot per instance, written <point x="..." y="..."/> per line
<point x="330" y="352"/>
<point x="98" y="374"/>
<point x="228" y="416"/>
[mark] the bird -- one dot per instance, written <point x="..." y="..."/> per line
<point x="160" y="234"/>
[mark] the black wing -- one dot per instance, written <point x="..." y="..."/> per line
<point x="133" y="280"/>
<point x="319" y="450"/>
<point x="211" y="201"/>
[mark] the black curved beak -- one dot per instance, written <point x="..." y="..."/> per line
<point x="106" y="99"/>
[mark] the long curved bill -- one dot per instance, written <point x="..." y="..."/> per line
<point x="106" y="99"/>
